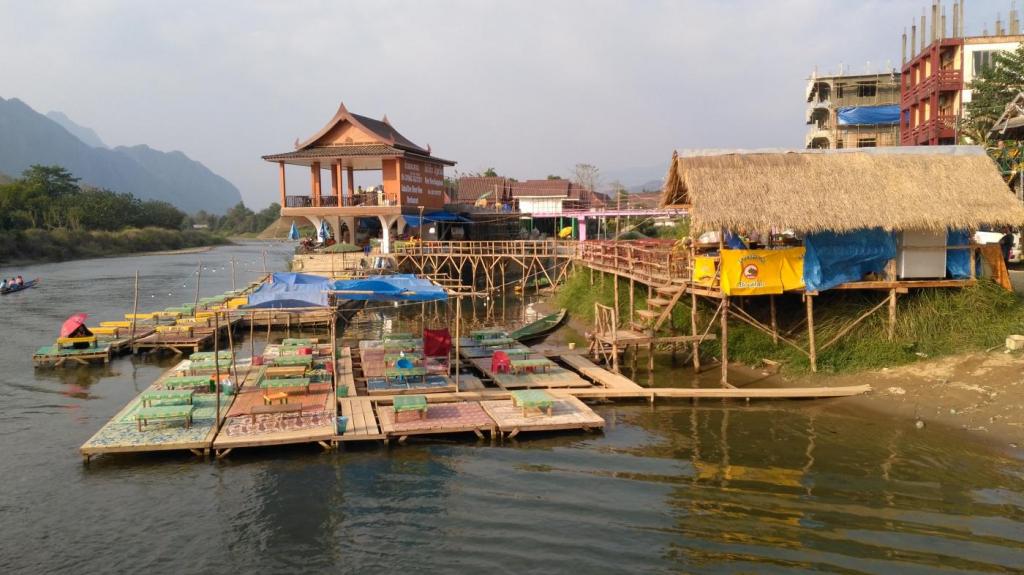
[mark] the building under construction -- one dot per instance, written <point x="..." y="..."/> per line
<point x="853" y="111"/>
<point x="939" y="62"/>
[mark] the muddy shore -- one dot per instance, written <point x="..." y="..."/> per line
<point x="980" y="392"/>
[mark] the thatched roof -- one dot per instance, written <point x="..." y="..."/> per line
<point x="933" y="187"/>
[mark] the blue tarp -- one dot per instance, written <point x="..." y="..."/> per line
<point x="399" y="287"/>
<point x="290" y="290"/>
<point x="869" y="115"/>
<point x="447" y="217"/>
<point x="297" y="279"/>
<point x="832" y="259"/>
<point x="958" y="262"/>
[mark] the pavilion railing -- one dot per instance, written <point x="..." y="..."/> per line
<point x="497" y="248"/>
<point x="651" y="261"/>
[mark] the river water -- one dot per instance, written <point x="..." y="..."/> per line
<point x="774" y="487"/>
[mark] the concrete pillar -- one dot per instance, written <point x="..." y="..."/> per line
<point x="334" y="180"/>
<point x="315" y="182"/>
<point x="583" y="229"/>
<point x="350" y="223"/>
<point x="284" y="192"/>
<point x="351" y="181"/>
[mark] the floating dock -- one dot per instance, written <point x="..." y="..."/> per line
<point x="54" y="356"/>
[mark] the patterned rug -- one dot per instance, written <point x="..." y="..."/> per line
<point x="276" y="423"/>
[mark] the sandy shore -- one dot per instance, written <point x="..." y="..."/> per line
<point x="199" y="250"/>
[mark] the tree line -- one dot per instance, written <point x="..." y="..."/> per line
<point x="51" y="198"/>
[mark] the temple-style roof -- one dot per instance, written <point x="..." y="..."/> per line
<point x="357" y="141"/>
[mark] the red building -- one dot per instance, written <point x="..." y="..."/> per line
<point x="930" y="94"/>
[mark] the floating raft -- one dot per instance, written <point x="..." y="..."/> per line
<point x="566" y="413"/>
<point x="54" y="356"/>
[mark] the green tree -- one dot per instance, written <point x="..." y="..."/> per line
<point x="991" y="90"/>
<point x="490" y="173"/>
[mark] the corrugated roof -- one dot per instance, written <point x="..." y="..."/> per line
<point x="335" y="151"/>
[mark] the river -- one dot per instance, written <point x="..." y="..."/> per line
<point x="773" y="487"/>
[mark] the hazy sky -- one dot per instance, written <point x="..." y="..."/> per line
<point x="530" y="88"/>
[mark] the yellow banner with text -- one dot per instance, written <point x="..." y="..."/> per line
<point x="762" y="272"/>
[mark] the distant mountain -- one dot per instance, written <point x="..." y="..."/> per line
<point x="87" y="135"/>
<point x="650" y="186"/>
<point x="28" y="137"/>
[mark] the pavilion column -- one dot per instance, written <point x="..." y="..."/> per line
<point x="315" y="183"/>
<point x="583" y="229"/>
<point x="351" y="182"/>
<point x="284" y="192"/>
<point x="334" y="180"/>
<point x="337" y="183"/>
<point x="385" y="237"/>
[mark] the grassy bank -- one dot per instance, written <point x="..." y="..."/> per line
<point x="36" y="245"/>
<point x="930" y="323"/>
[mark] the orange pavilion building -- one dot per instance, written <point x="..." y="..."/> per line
<point x="413" y="178"/>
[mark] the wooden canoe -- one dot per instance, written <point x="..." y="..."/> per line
<point x="541" y="328"/>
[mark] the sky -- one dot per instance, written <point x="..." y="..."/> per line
<point x="530" y="88"/>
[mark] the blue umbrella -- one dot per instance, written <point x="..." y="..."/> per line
<point x="294" y="233"/>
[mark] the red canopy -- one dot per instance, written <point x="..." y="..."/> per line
<point x="436" y="342"/>
<point x="72" y="323"/>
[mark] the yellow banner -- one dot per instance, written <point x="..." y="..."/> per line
<point x="762" y="272"/>
<point x="704" y="271"/>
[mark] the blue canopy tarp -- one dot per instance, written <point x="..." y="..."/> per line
<point x="399" y="287"/>
<point x="958" y="262"/>
<point x="869" y="115"/>
<point x="832" y="259"/>
<point x="290" y="290"/>
<point x="290" y="278"/>
<point x="446" y="217"/>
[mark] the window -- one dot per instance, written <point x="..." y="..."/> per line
<point x="839" y="144"/>
<point x="866" y="143"/>
<point x="839" y="90"/>
<point x="983" y="59"/>
<point x="867" y="89"/>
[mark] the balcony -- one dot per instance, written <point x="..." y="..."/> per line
<point x="357" y="200"/>
<point x="941" y="127"/>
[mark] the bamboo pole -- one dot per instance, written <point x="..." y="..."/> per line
<point x="812" y="352"/>
<point x="458" y="340"/>
<point x="252" y="334"/>
<point x="216" y="364"/>
<point x="199" y="275"/>
<point x="892" y="314"/>
<point x="231" y="346"/>
<point x="631" y="306"/>
<point x="233" y="288"/>
<point x="264" y="261"/>
<point x="725" y="341"/>
<point x="135" y="306"/>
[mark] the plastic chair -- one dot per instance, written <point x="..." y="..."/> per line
<point x="501" y="363"/>
<point x="404" y="363"/>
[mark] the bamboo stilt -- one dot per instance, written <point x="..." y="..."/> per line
<point x="199" y="274"/>
<point x="774" y="322"/>
<point x="812" y="352"/>
<point x="725" y="341"/>
<point x="135" y="306"/>
<point x="892" y="314"/>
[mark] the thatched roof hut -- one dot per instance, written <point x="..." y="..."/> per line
<point x="921" y="188"/>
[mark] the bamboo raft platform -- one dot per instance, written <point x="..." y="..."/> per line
<point x="51" y="356"/>
<point x="122" y="434"/>
<point x="567" y="412"/>
<point x="308" y="417"/>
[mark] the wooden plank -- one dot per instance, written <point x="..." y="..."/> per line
<point x="595" y="373"/>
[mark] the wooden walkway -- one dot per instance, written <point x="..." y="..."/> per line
<point x="362" y="420"/>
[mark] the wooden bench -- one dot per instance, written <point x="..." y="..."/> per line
<point x="184" y="382"/>
<point x="274" y="408"/>
<point x="164" y="412"/>
<point x="63" y="342"/>
<point x="279" y="396"/>
<point x="292" y="360"/>
<point x="302" y="382"/>
<point x="284" y="371"/>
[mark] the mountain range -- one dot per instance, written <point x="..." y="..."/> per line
<point x="28" y="137"/>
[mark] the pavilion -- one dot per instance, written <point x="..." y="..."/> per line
<point x="413" y="179"/>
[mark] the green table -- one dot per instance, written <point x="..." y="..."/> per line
<point x="411" y="356"/>
<point x="306" y="360"/>
<point x="286" y="382"/>
<point x="208" y="355"/>
<point x="515" y="351"/>
<point x="297" y="341"/>
<point x="542" y="363"/>
<point x="494" y="342"/>
<point x="187" y="381"/>
<point x="533" y="399"/>
<point x="405" y="371"/>
<point x="209" y="364"/>
<point x="411" y="403"/>
<point x="177" y="396"/>
<point x="401" y="345"/>
<point x="145" y="414"/>
<point x="398" y="335"/>
<point x="488" y="333"/>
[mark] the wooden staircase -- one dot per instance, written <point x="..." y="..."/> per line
<point x="659" y="308"/>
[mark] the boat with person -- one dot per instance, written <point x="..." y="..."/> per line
<point x="19" y="287"/>
<point x="538" y="330"/>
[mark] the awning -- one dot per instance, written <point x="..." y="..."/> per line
<point x="399" y="287"/>
<point x="446" y="217"/>
<point x="290" y="290"/>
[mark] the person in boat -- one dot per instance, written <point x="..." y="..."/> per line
<point x="3" y="284"/>
<point x="20" y="280"/>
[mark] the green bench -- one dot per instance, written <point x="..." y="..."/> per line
<point x="521" y="365"/>
<point x="396" y="345"/>
<point x="189" y="381"/>
<point x="404" y="372"/>
<point x="208" y="355"/>
<point x="173" y="396"/>
<point x="515" y="351"/>
<point x="398" y="335"/>
<point x="306" y="360"/>
<point x="164" y="412"/>
<point x="533" y="399"/>
<point x="416" y="403"/>
<point x="297" y="341"/>
<point x="302" y="382"/>
<point x="488" y="334"/>
<point x="495" y="342"/>
<point x="208" y="364"/>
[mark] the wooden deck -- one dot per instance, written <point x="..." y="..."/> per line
<point x="50" y="356"/>
<point x="178" y="343"/>
<point x="554" y="377"/>
<point x="362" y="420"/>
<point x="567" y="412"/>
<point x="440" y="419"/>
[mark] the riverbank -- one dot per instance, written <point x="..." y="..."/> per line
<point x="978" y="392"/>
<point x="35" y="246"/>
